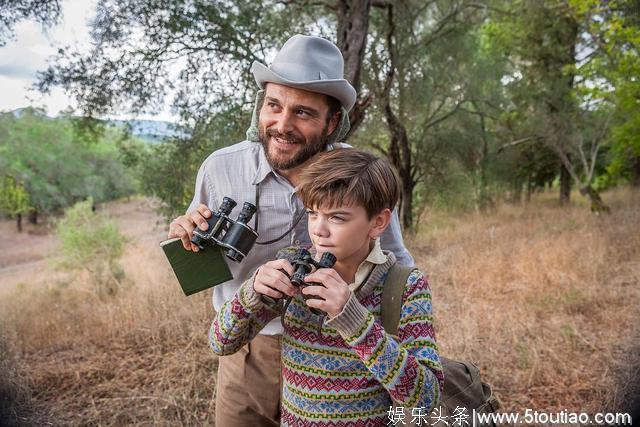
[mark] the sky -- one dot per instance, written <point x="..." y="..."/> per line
<point x="20" y="59"/>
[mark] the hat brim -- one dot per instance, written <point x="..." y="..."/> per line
<point x="337" y="88"/>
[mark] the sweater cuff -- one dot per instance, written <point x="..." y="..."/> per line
<point x="249" y="298"/>
<point x="352" y="321"/>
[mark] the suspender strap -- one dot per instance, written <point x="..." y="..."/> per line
<point x="392" y="291"/>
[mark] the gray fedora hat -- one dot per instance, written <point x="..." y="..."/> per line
<point x="310" y="63"/>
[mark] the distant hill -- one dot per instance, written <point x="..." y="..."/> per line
<point x="147" y="130"/>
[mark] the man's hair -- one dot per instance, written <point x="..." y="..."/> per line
<point x="349" y="177"/>
<point x="334" y="107"/>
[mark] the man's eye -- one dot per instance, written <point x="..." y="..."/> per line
<point x="303" y="113"/>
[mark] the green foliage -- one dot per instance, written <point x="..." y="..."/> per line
<point x="90" y="241"/>
<point x="469" y="79"/>
<point x="610" y="78"/>
<point x="59" y="166"/>
<point x="138" y="44"/>
<point x="168" y="170"/>
<point x="14" y="199"/>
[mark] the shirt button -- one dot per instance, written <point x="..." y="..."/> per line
<point x="296" y="242"/>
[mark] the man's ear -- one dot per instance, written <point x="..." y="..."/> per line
<point x="333" y="122"/>
<point x="379" y="223"/>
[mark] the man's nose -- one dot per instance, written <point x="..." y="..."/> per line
<point x="285" y="122"/>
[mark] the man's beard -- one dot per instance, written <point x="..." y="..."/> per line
<point x="309" y="148"/>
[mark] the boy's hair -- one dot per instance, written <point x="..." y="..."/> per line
<point x="348" y="177"/>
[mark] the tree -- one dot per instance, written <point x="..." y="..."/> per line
<point x="45" y="12"/>
<point x="415" y="83"/>
<point x="14" y="200"/>
<point x="609" y="73"/>
<point x="56" y="165"/>
<point x="543" y="39"/>
<point x="213" y="44"/>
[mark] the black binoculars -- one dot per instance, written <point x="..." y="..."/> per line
<point x="303" y="263"/>
<point x="235" y="236"/>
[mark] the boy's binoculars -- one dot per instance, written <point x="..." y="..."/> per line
<point x="303" y="263"/>
<point x="235" y="236"/>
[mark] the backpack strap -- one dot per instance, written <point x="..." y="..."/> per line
<point x="392" y="290"/>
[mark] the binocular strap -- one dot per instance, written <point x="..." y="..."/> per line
<point x="296" y="220"/>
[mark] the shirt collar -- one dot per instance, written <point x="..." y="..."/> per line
<point x="264" y="168"/>
<point x="375" y="257"/>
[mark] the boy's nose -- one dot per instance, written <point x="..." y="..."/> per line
<point x="319" y="229"/>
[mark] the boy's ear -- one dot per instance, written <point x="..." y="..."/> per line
<point x="379" y="223"/>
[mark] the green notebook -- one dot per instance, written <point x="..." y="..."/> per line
<point x="196" y="271"/>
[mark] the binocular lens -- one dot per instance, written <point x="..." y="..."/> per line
<point x="246" y="213"/>
<point x="227" y="205"/>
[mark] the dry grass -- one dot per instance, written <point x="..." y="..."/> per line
<point x="543" y="299"/>
<point x="139" y="358"/>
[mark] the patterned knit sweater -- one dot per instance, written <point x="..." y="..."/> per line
<point x="346" y="370"/>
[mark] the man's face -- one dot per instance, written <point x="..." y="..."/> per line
<point x="293" y="125"/>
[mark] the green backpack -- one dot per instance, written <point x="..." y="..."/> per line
<point x="463" y="387"/>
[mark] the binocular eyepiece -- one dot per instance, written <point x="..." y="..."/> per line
<point x="235" y="236"/>
<point x="303" y="263"/>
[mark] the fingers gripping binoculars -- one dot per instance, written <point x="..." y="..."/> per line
<point x="235" y="236"/>
<point x="303" y="263"/>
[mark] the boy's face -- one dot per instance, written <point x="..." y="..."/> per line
<point x="345" y="231"/>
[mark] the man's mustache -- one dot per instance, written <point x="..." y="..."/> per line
<point x="289" y="137"/>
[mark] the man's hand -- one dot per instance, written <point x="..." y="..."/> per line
<point x="184" y="225"/>
<point x="334" y="293"/>
<point x="271" y="281"/>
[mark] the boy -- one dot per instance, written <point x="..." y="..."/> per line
<point x="342" y="369"/>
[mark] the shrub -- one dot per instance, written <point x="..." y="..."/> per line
<point x="91" y="242"/>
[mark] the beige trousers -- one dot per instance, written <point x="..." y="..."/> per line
<point x="249" y="385"/>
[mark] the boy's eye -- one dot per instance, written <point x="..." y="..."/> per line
<point x="337" y="218"/>
<point x="311" y="213"/>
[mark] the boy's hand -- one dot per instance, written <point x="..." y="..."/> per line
<point x="334" y="293"/>
<point x="271" y="281"/>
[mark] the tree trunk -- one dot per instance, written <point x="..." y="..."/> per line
<point x="400" y="157"/>
<point x="32" y="216"/>
<point x="635" y="173"/>
<point x="19" y="222"/>
<point x="529" y="187"/>
<point x="399" y="152"/>
<point x="565" y="185"/>
<point x="483" y="197"/>
<point x="353" y="26"/>
<point x="597" y="205"/>
<point x="516" y="199"/>
<point x="406" y="210"/>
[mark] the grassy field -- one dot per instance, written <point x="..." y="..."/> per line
<point x="545" y="300"/>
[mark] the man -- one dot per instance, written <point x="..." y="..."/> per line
<point x="301" y="110"/>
